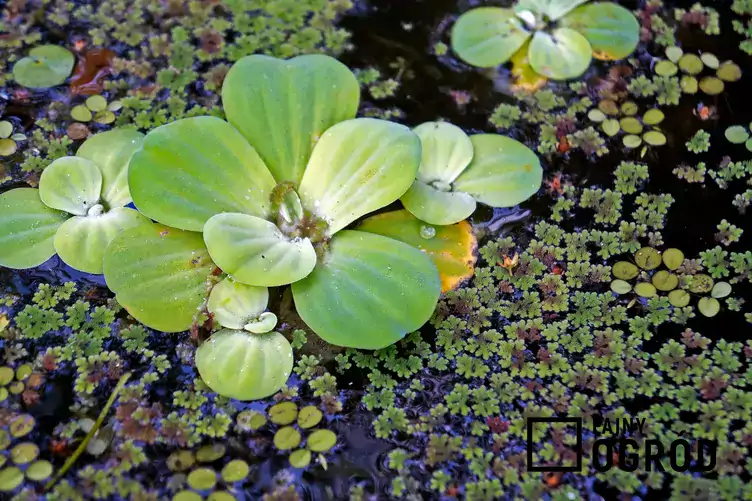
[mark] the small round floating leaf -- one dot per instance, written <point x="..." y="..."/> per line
<point x="24" y="453"/>
<point x="202" y="479"/>
<point x="71" y="184"/>
<point x="653" y="116"/>
<point x="21" y="425"/>
<point x="321" y="440"/>
<point x="611" y="126"/>
<point x="737" y="134"/>
<point x="748" y="144"/>
<point x="435" y="206"/>
<point x="710" y="60"/>
<point x="287" y="438"/>
<point x="159" y="275"/>
<point x="654" y="138"/>
<point x="665" y="68"/>
<point x="612" y="31"/>
<point x="629" y="108"/>
<point x="10" y="478"/>
<point x="729" y="71"/>
<point x="6" y="129"/>
<point x="45" y="66"/>
<point x="665" y="281"/>
<point x="3" y="396"/>
<point x="6" y="375"/>
<point x="7" y="147"/>
<point x="368" y="292"/>
<point x="690" y="64"/>
<point x="503" y="172"/>
<point x="104" y="117"/>
<point x="234" y="304"/>
<point x="245" y="366"/>
<point x="688" y="84"/>
<point x="16" y="387"/>
<point x="721" y="290"/>
<point x="96" y="103"/>
<point x="209" y="453"/>
<point x="309" y="416"/>
<point x="220" y="496"/>
<point x="235" y="471"/>
<point x="283" y="413"/>
<point x="711" y="85"/>
<point x="446" y="152"/>
<point x="648" y="258"/>
<point x="596" y="115"/>
<point x="560" y="55"/>
<point x="625" y="270"/>
<point x="250" y="420"/>
<point x="488" y="36"/>
<point x="5" y="439"/>
<point x="679" y="298"/>
<point x="24" y="371"/>
<point x="608" y="107"/>
<point x="181" y="460"/>
<point x="701" y="284"/>
<point x="673" y="258"/>
<point x="81" y="113"/>
<point x="39" y="470"/>
<point x="709" y="306"/>
<point x="631" y="141"/>
<point x="621" y="286"/>
<point x="645" y="289"/>
<point x="187" y="496"/>
<point x="674" y="53"/>
<point x="300" y="458"/>
<point x="630" y="125"/>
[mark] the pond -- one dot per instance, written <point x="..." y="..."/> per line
<point x="408" y="267"/>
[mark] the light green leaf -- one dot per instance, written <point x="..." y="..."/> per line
<point x="71" y="184"/>
<point x="45" y="66"/>
<point x="555" y="9"/>
<point x="503" y="173"/>
<point x="437" y="207"/>
<point x="82" y="240"/>
<point x="446" y="151"/>
<point x="283" y="107"/>
<point x="255" y="252"/>
<point x="359" y="166"/>
<point x="244" y="366"/>
<point x="111" y="151"/>
<point x="27" y="229"/>
<point x="369" y="291"/>
<point x="561" y="55"/>
<point x="612" y="30"/>
<point x="193" y="168"/>
<point x="234" y="304"/>
<point x="159" y="275"/>
<point x="488" y="36"/>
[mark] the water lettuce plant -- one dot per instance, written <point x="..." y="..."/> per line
<point x="272" y="190"/>
<point x="79" y="208"/>
<point x="559" y="36"/>
<point x="457" y="171"/>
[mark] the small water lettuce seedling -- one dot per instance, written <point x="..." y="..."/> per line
<point x="457" y="171"/>
<point x="77" y="210"/>
<point x="45" y="66"/>
<point x="559" y="37"/>
<point x="273" y="191"/>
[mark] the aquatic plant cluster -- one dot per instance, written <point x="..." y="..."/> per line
<point x="416" y="333"/>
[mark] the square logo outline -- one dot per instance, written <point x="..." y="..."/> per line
<point x="529" y="444"/>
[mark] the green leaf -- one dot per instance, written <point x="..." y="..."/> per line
<point x="359" y="166"/>
<point x="561" y="55"/>
<point x="27" y="229"/>
<point x="111" y="151"/>
<point x="503" y="173"/>
<point x="488" y="36"/>
<point x="451" y="247"/>
<point x="245" y="366"/>
<point x="45" y="66"/>
<point x="255" y="252"/>
<point x="234" y="304"/>
<point x="71" y="184"/>
<point x="437" y="207"/>
<point x="553" y="9"/>
<point x="159" y="275"/>
<point x="709" y="306"/>
<point x="368" y="292"/>
<point x="445" y="152"/>
<point x="321" y="440"/>
<point x="612" y="30"/>
<point x="283" y="107"/>
<point x="81" y="240"/>
<point x="189" y="170"/>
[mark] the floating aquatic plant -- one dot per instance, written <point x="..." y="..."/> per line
<point x="8" y="140"/>
<point x="79" y="208"/>
<point x="45" y="66"/>
<point x="272" y="191"/>
<point x="96" y="108"/>
<point x="457" y="171"/>
<point x="738" y="134"/>
<point x="558" y="37"/>
<point x="614" y="118"/>
<point x="691" y="65"/>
